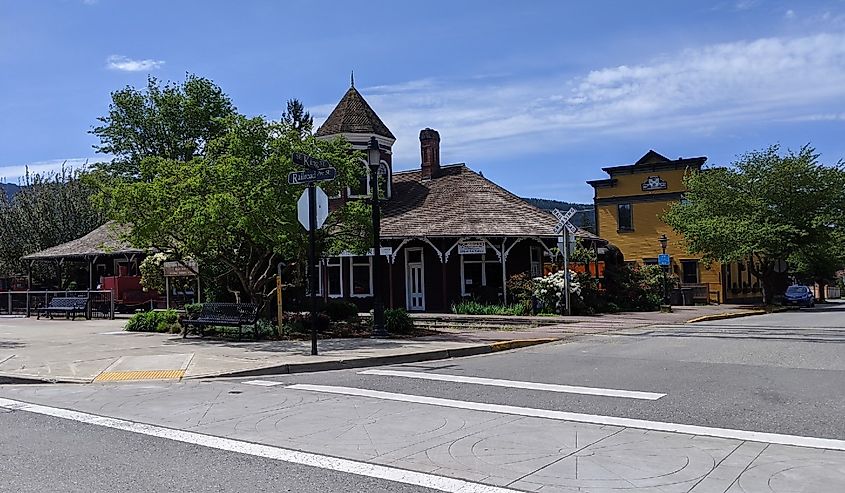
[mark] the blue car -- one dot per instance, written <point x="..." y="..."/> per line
<point x="799" y="296"/>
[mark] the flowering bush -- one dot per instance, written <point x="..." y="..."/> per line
<point x="550" y="290"/>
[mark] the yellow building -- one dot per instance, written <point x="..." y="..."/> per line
<point x="628" y="206"/>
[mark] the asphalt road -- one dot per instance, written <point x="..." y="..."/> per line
<point x="43" y="453"/>
<point x="773" y="373"/>
<point x="782" y="373"/>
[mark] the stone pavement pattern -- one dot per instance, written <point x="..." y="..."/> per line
<point x="523" y="453"/>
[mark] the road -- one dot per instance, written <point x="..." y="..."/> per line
<point x="742" y="405"/>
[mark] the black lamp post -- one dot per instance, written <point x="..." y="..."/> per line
<point x="374" y="161"/>
<point x="663" y="242"/>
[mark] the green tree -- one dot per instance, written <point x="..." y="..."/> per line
<point x="172" y="121"/>
<point x="766" y="208"/>
<point x="231" y="209"/>
<point x="49" y="209"/>
<point x="820" y="265"/>
<point x="297" y="119"/>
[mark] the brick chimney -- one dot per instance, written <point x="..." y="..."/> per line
<point x="430" y="153"/>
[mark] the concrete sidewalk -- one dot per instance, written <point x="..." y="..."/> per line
<point x="85" y="351"/>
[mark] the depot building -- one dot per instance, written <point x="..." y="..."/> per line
<point x="447" y="232"/>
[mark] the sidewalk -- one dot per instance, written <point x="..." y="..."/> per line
<point x="99" y="350"/>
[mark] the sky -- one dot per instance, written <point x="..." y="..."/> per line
<point x="538" y="96"/>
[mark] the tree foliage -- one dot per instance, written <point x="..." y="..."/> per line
<point x="48" y="210"/>
<point x="171" y="121"/>
<point x="297" y="119"/>
<point x="232" y="209"/>
<point x="768" y="207"/>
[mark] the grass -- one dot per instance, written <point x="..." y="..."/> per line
<point x="476" y="308"/>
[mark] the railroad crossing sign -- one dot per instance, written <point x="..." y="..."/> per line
<point x="322" y="208"/>
<point x="564" y="226"/>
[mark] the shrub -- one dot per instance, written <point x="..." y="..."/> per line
<point x="300" y="323"/>
<point x="521" y="288"/>
<point x="551" y="290"/>
<point x="634" y="287"/>
<point x="397" y="321"/>
<point x="193" y="309"/>
<point x="471" y="307"/>
<point x="153" y="321"/>
<point x="340" y="310"/>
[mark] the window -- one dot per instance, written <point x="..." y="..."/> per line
<point x="477" y="272"/>
<point x="625" y="217"/>
<point x="689" y="272"/>
<point x="362" y="188"/>
<point x="384" y="185"/>
<point x="536" y="261"/>
<point x="333" y="276"/>
<point x="650" y="261"/>
<point x="361" y="276"/>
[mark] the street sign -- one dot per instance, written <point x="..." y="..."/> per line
<point x="322" y="208"/>
<point x="663" y="259"/>
<point x="311" y="176"/>
<point x="300" y="159"/>
<point x="472" y="247"/>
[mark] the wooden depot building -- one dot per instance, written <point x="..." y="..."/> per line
<point x="448" y="232"/>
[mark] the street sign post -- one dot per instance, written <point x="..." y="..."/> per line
<point x="312" y="210"/>
<point x="567" y="228"/>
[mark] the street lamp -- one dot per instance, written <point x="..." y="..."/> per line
<point x="663" y="242"/>
<point x="374" y="161"/>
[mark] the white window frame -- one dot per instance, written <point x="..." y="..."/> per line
<point x="369" y="191"/>
<point x="483" y="263"/>
<point x="329" y="264"/>
<point x="352" y="265"/>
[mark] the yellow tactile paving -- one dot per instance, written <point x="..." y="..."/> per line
<point x="119" y="376"/>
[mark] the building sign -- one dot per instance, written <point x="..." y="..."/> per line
<point x="654" y="183"/>
<point x="474" y="247"/>
<point x="188" y="268"/>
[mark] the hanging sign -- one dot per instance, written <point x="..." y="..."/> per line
<point x="473" y="247"/>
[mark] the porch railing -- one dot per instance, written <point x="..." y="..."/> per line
<point x="27" y="302"/>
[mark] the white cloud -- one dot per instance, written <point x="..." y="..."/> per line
<point x="697" y="90"/>
<point x="14" y="173"/>
<point x="790" y="14"/>
<point x="126" y="64"/>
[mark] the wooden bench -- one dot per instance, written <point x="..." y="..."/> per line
<point x="223" y="315"/>
<point x="70" y="306"/>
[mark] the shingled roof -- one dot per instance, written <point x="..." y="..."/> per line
<point x="353" y="115"/>
<point x="460" y="202"/>
<point x="105" y="240"/>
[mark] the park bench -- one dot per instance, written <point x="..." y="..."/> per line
<point x="223" y="315"/>
<point x="70" y="306"/>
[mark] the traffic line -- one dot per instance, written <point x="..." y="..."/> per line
<point x="263" y="383"/>
<point x="548" y="387"/>
<point x="425" y="480"/>
<point x="752" y="436"/>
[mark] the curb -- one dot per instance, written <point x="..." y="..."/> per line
<point x="378" y="360"/>
<point x="725" y="316"/>
<point x="7" y="379"/>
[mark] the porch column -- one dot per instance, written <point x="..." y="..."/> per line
<point x="504" y="273"/>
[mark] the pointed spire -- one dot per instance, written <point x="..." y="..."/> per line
<point x="352" y="79"/>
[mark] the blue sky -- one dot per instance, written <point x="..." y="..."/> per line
<point x="537" y="95"/>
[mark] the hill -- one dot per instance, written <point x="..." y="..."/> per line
<point x="584" y="218"/>
<point x="10" y="189"/>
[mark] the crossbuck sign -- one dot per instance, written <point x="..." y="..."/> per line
<point x="564" y="226"/>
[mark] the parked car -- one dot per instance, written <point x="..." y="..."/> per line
<point x="799" y="296"/>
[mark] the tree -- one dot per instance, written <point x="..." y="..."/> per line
<point x="766" y="208"/>
<point x="820" y="265"/>
<point x="297" y="119"/>
<point x="231" y="209"/>
<point x="48" y="210"/>
<point x="171" y="121"/>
